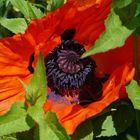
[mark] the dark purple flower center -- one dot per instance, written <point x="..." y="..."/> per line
<point x="69" y="61"/>
<point x="69" y="75"/>
<point x="65" y="69"/>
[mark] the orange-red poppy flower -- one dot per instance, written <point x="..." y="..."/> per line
<point x="44" y="35"/>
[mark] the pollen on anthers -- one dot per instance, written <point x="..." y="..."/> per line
<point x="67" y="73"/>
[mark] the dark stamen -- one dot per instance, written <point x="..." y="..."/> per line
<point x="66" y="71"/>
<point x="71" y="76"/>
<point x="93" y="90"/>
<point x="68" y="34"/>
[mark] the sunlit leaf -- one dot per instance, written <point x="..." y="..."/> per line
<point x="28" y="10"/>
<point x="37" y="114"/>
<point x="114" y="36"/>
<point x="88" y="137"/>
<point x="55" y="126"/>
<point x="15" y="25"/>
<point x="114" y="122"/>
<point x="133" y="90"/>
<point x="9" y="137"/>
<point x="54" y="4"/>
<point x="84" y="131"/>
<point x="7" y="2"/>
<point x="34" y="12"/>
<point x="22" y="6"/>
<point x="36" y="91"/>
<point x="48" y="128"/>
<point x="16" y="120"/>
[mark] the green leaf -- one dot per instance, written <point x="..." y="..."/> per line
<point x="16" y="120"/>
<point x="129" y="137"/>
<point x="7" y="2"/>
<point x="27" y="135"/>
<point x="29" y="11"/>
<point x="107" y="127"/>
<point x="2" y="7"/>
<point x="114" y="36"/>
<point x="84" y="131"/>
<point x="88" y="137"/>
<point x="15" y="25"/>
<point x="130" y="15"/>
<point x="127" y="14"/>
<point x="55" y="126"/>
<point x="49" y="127"/>
<point x="133" y="90"/>
<point x="34" y="12"/>
<point x="121" y="3"/>
<point x="114" y="122"/>
<point x="8" y="137"/>
<point x="22" y="6"/>
<point x="137" y="9"/>
<point x="37" y="113"/>
<point x="36" y="91"/>
<point x="135" y="22"/>
<point x="54" y="4"/>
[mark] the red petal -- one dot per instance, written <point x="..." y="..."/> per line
<point x="46" y="31"/>
<point x="73" y="115"/>
<point x="112" y="59"/>
<point x="14" y="56"/>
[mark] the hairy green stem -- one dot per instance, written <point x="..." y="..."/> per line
<point x="136" y="63"/>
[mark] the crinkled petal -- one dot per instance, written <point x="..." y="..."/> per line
<point x="11" y="91"/>
<point x="15" y="53"/>
<point x="46" y="31"/>
<point x="84" y="4"/>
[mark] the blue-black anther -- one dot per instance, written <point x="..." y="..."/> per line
<point x="65" y="69"/>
